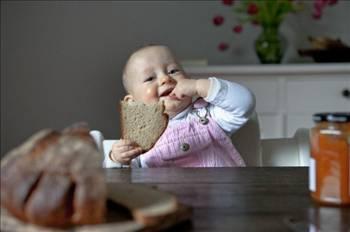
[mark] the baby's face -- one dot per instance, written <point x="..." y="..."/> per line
<point x="152" y="74"/>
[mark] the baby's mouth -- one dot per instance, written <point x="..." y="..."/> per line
<point x="166" y="93"/>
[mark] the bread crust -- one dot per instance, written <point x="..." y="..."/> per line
<point x="53" y="177"/>
<point x="50" y="204"/>
<point x="17" y="178"/>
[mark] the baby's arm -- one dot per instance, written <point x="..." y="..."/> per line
<point x="231" y="104"/>
<point x="122" y="153"/>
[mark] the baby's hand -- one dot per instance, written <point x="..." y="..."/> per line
<point x="123" y="151"/>
<point x="190" y="88"/>
<point x="183" y="88"/>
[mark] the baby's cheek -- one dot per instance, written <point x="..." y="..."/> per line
<point x="150" y="95"/>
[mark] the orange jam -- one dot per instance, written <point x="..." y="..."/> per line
<point x="329" y="170"/>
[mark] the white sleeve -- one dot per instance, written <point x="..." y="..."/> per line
<point x="231" y="104"/>
<point x="107" y="162"/>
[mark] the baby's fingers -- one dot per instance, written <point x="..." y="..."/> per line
<point x="126" y="157"/>
<point x="126" y="148"/>
<point x="131" y="154"/>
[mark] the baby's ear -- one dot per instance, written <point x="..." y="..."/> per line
<point x="128" y="98"/>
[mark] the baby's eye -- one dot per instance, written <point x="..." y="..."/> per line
<point x="149" y="79"/>
<point x="173" y="71"/>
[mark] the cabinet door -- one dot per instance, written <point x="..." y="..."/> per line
<point x="317" y="95"/>
<point x="308" y="96"/>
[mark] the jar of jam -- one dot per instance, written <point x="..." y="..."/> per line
<point x="329" y="170"/>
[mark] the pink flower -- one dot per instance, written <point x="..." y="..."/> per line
<point x="223" y="46"/>
<point x="218" y="20"/>
<point x="319" y="4"/>
<point x="227" y="2"/>
<point x="332" y="2"/>
<point x="317" y="15"/>
<point x="237" y="29"/>
<point x="252" y="9"/>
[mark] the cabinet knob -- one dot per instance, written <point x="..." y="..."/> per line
<point x="346" y="93"/>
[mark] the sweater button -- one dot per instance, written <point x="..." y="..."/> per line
<point x="203" y="121"/>
<point x="184" y="147"/>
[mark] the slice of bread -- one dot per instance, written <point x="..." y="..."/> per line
<point x="142" y="123"/>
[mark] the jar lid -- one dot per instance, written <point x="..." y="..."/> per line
<point x="332" y="117"/>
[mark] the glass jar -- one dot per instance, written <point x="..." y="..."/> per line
<point x="329" y="170"/>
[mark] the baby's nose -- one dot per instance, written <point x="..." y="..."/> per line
<point x="165" y="79"/>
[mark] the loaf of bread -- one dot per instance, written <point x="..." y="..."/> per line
<point x="55" y="179"/>
<point x="142" y="123"/>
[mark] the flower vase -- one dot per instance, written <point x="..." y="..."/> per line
<point x="269" y="45"/>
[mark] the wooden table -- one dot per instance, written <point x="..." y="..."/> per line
<point x="241" y="199"/>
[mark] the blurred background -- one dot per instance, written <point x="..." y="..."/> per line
<point x="61" y="61"/>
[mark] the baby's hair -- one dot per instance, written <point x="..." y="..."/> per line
<point x="124" y="77"/>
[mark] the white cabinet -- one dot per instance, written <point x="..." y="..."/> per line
<point x="287" y="95"/>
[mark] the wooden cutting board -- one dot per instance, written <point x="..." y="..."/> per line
<point x="131" y="207"/>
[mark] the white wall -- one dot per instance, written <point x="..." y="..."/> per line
<point x="61" y="61"/>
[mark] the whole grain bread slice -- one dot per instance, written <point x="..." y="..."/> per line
<point x="142" y="123"/>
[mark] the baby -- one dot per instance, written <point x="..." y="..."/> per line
<point x="203" y="114"/>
